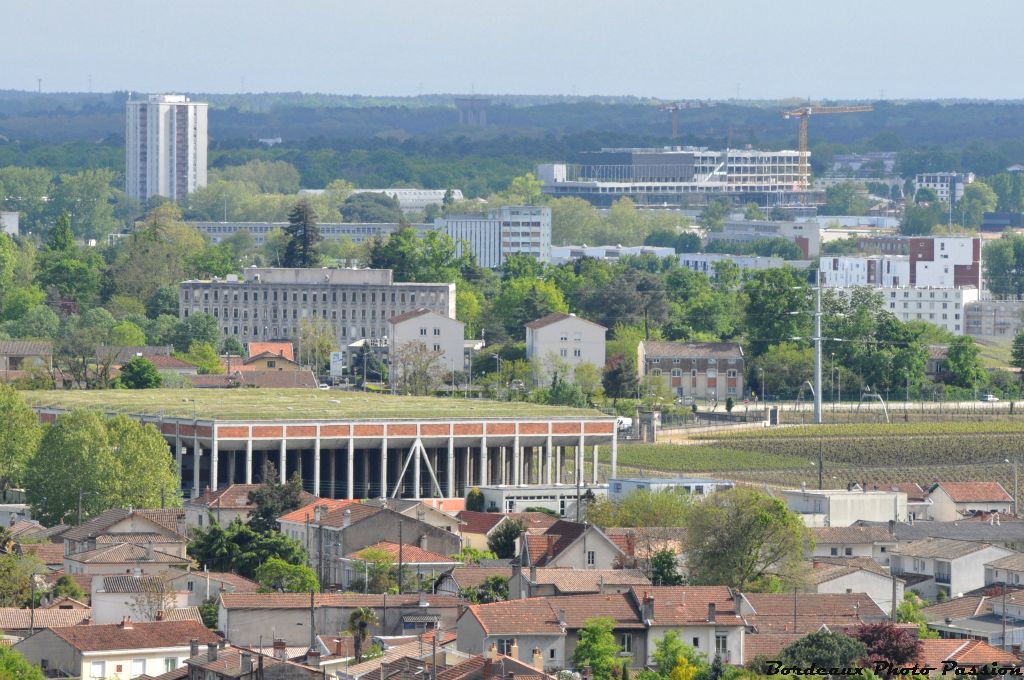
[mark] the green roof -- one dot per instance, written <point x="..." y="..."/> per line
<point x="292" y="404"/>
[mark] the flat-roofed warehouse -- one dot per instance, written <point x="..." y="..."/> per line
<point x="355" y="444"/>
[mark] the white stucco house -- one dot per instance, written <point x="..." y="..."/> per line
<point x="843" y="507"/>
<point x="953" y="500"/>
<point x="934" y="564"/>
<point x="438" y="332"/>
<point x="565" y="338"/>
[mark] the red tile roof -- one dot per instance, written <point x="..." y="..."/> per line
<point x="301" y="600"/>
<point x="684" y="605"/>
<point x="964" y="652"/>
<point x="852" y="535"/>
<point x="543" y="548"/>
<point x="555" y="317"/>
<point x="473" y="522"/>
<point x="774" y="611"/>
<point x="285" y="349"/>
<point x="357" y="512"/>
<point x="47" y="553"/>
<point x="301" y="379"/>
<point x="154" y="635"/>
<point x="169" y="363"/>
<point x="913" y="490"/>
<point x="399" y="318"/>
<point x="958" y="608"/>
<point x="767" y="644"/>
<point x="411" y="554"/>
<point x="532" y="616"/>
<point x="575" y="581"/>
<point x="470" y="577"/>
<point x="974" y="492"/>
<point x="13" y="618"/>
<point x="234" y="497"/>
<point x="307" y="511"/>
<point x="126" y="552"/>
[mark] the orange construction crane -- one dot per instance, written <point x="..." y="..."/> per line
<point x="805" y="112"/>
<point x="676" y="107"/>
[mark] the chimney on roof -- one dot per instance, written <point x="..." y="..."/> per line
<point x="222" y="643"/>
<point x="551" y="545"/>
<point x="159" y="614"/>
<point x="533" y="573"/>
<point x="193" y="647"/>
<point x="346" y="518"/>
<point x="149" y="552"/>
<point x="892" y="527"/>
<point x="492" y="652"/>
<point x="338" y="651"/>
<point x="538" y="660"/>
<point x="313" y="657"/>
<point x="711" y="612"/>
<point x="647" y="607"/>
<point x="600" y="584"/>
<point x="316" y="513"/>
<point x="211" y="651"/>
<point x="126" y="623"/>
<point x="280" y="649"/>
<point x="513" y="651"/>
<point x="423" y="542"/>
<point x="246" y="663"/>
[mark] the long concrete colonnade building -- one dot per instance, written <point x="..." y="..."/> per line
<point x="357" y="445"/>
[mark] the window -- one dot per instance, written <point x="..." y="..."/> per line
<point x="98" y="670"/>
<point x="551" y="653"/>
<point x="505" y="646"/>
<point x="591" y="558"/>
<point x="834" y="552"/>
<point x="437" y="347"/>
<point x="563" y="352"/>
<point x="138" y="667"/>
<point x="577" y="352"/>
<point x="627" y="643"/>
<point x="696" y="643"/>
<point x="722" y="646"/>
<point x="437" y="331"/>
<point x="191" y="586"/>
<point x="271" y="364"/>
<point x="423" y="331"/>
<point x="848" y="552"/>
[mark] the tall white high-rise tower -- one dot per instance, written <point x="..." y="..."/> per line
<point x="165" y="141"/>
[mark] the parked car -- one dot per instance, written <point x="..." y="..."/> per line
<point x="989" y="397"/>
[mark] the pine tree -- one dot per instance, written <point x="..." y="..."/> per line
<point x="303" y="236"/>
<point x="61" y="238"/>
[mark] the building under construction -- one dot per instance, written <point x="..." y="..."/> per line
<point x="674" y="177"/>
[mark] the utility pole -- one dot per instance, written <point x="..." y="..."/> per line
<point x="817" y="352"/>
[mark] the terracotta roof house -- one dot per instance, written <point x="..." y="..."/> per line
<point x="476" y="528"/>
<point x="246" y="614"/>
<point x="806" y="612"/>
<point x="418" y="561"/>
<point x="284" y="349"/>
<point x="964" y="652"/>
<point x="277" y="379"/>
<point x="874" y="542"/>
<point x="570" y="339"/>
<point x="116" y="651"/>
<point x="572" y="545"/>
<point x="225" y="505"/>
<point x="542" y="582"/>
<point x="339" y="527"/>
<point x="641" y="616"/>
<point x="855" y="575"/>
<point x="494" y="666"/>
<point x="953" y="500"/>
<point x="457" y="578"/>
<point x="227" y="662"/>
<point x="50" y="554"/>
<point x="22" y="622"/>
<point x="958" y="608"/>
<point x="119" y="558"/>
<point x="168" y="523"/>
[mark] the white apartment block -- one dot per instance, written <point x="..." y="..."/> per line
<point x="566" y="254"/>
<point x="944" y="184"/>
<point x="571" y="339"/>
<point x="890" y="271"/>
<point x="505" y="231"/>
<point x="805" y="235"/>
<point x="436" y="331"/>
<point x="414" y="200"/>
<point x="933" y="262"/>
<point x="271" y="303"/>
<point x="943" y="307"/>
<point x="704" y="263"/>
<point x="165" y="144"/>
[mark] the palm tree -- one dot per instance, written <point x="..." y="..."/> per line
<point x="358" y="623"/>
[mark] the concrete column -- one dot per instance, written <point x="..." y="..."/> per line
<point x="248" y="458"/>
<point x="350" y="481"/>
<point x="316" y="463"/>
<point x="197" y="456"/>
<point x="517" y="462"/>
<point x="483" y="461"/>
<point x="282" y="462"/>
<point x="503" y="462"/>
<point x="179" y="460"/>
<point x="580" y="460"/>
<point x="416" y="471"/>
<point x="558" y="464"/>
<point x="214" y="460"/>
<point x="450" y="471"/>
<point x="615" y="454"/>
<point x="547" y="461"/>
<point x="467" y="469"/>
<point x="231" y="467"/>
<point x="593" y="471"/>
<point x="383" y="468"/>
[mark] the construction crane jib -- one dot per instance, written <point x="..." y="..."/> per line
<point x="805" y="112"/>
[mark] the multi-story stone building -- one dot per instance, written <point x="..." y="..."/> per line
<point x="270" y="303"/>
<point x="508" y="230"/>
<point x="699" y="370"/>
<point x="165" y="147"/>
<point x="946" y="185"/>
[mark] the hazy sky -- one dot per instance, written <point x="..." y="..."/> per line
<point x="666" y="48"/>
